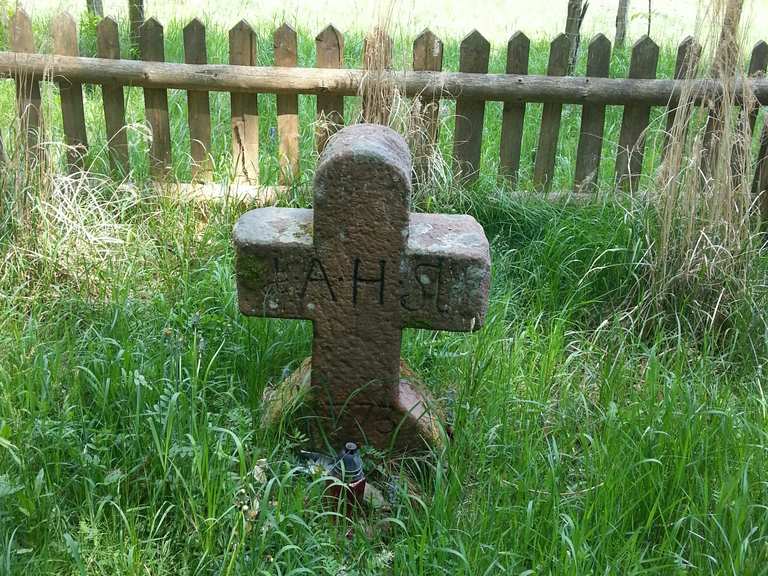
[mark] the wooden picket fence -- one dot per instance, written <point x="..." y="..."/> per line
<point x="471" y="87"/>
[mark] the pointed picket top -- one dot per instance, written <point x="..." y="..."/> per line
<point x="427" y="51"/>
<point x="22" y="39"/>
<point x="285" y="39"/>
<point x="559" y="42"/>
<point x="64" y="34"/>
<point x="241" y="27"/>
<point x="285" y="31"/>
<point x="285" y="46"/>
<point x="600" y="40"/>
<point x="761" y="47"/>
<point x="519" y="39"/>
<point x="518" y="49"/>
<point x="330" y="34"/>
<point x="474" y="51"/>
<point x="63" y="19"/>
<point x="688" y="53"/>
<point x="645" y="57"/>
<point x="474" y="40"/>
<point x="152" y="24"/>
<point x="195" y="26"/>
<point x="427" y="37"/>
<point x="106" y="25"/>
<point x="759" y="58"/>
<point x="329" y="47"/>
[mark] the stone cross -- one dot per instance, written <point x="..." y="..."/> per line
<point x="362" y="268"/>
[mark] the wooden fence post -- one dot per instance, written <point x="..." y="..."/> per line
<point x="592" y="119"/>
<point x="198" y="104"/>
<point x="329" y="46"/>
<point x="285" y="45"/>
<point x="629" y="158"/>
<point x="113" y="98"/>
<point x="428" y="55"/>
<point x="544" y="169"/>
<point x="27" y="87"/>
<point x="72" y="111"/>
<point x="468" y="134"/>
<point x="513" y="116"/>
<point x="688" y="54"/>
<point x="245" y="108"/>
<point x="156" y="102"/>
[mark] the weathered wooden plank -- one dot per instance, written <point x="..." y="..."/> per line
<point x="758" y="63"/>
<point x="474" y="52"/>
<point x="245" y="108"/>
<point x="378" y="91"/>
<point x="198" y="104"/>
<point x="108" y="46"/>
<point x="688" y="55"/>
<point x="346" y="82"/>
<point x="760" y="181"/>
<point x="72" y="111"/>
<point x="329" y="46"/>
<point x="629" y="157"/>
<point x="285" y="44"/>
<point x="513" y="116"/>
<point x="592" y="119"/>
<point x="27" y="85"/>
<point x="156" y="102"/>
<point x="544" y="168"/>
<point x="748" y="115"/>
<point x="428" y="55"/>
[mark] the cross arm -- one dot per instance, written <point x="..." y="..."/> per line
<point x="444" y="276"/>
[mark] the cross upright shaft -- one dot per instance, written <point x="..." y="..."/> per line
<point x="362" y="189"/>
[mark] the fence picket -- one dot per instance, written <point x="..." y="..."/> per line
<point x="758" y="63"/>
<point x="760" y="181"/>
<point x="688" y="55"/>
<point x="474" y="52"/>
<point x="544" y="169"/>
<point x="285" y="44"/>
<point x="428" y="55"/>
<point x="113" y="98"/>
<point x="198" y="104"/>
<point x="329" y="46"/>
<point x="592" y="119"/>
<point x="27" y="87"/>
<point x="71" y="94"/>
<point x="513" y="116"/>
<point x="156" y="102"/>
<point x="629" y="158"/>
<point x="245" y="108"/>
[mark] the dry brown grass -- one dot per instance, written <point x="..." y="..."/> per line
<point x="706" y="226"/>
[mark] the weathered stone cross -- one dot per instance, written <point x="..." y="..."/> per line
<point x="362" y="268"/>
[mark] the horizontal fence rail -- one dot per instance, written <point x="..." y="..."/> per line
<point x="347" y="82"/>
<point x="427" y="83"/>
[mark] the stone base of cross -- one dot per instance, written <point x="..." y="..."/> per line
<point x="361" y="267"/>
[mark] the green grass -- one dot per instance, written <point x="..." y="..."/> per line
<point x="591" y="436"/>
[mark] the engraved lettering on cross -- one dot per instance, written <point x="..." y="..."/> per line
<point x="361" y="267"/>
